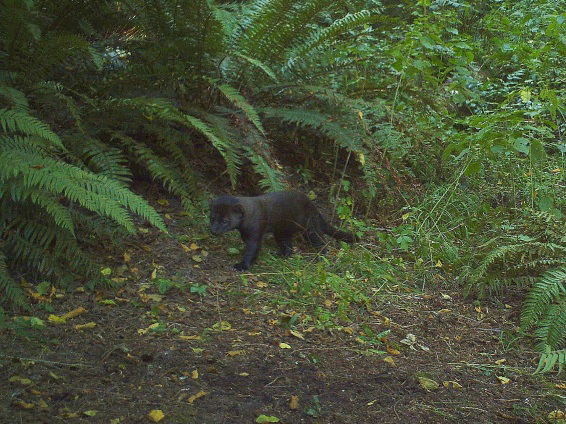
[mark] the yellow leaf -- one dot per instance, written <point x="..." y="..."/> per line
<point x="54" y="319"/>
<point x="54" y="376"/>
<point x="348" y="330"/>
<point x="392" y="351"/>
<point x="236" y="352"/>
<point x="444" y="311"/>
<point x="145" y="330"/>
<point x="500" y="361"/>
<point x="244" y="374"/>
<point x="503" y="380"/>
<point x="556" y="170"/>
<point x="451" y="384"/>
<point x="106" y="271"/>
<point x="20" y="380"/>
<point x="261" y="284"/>
<point x="284" y="346"/>
<point x="156" y="415"/>
<point x="557" y="415"/>
<point x="168" y="216"/>
<point x="86" y="326"/>
<point x="428" y="384"/>
<point x="327" y="303"/>
<point x="194" y="374"/>
<point x="198" y="395"/>
<point x="74" y="313"/>
<point x="362" y="158"/>
<point x="222" y="326"/>
<point x="194" y="246"/>
<point x="360" y="115"/>
<point x="163" y="202"/>
<point x="185" y="247"/>
<point x="297" y="334"/>
<point x="21" y="404"/>
<point x="438" y="264"/>
<point x="127" y="257"/>
<point x="90" y="413"/>
<point x="389" y="360"/>
<point x="294" y="403"/>
<point x="560" y="386"/>
<point x="42" y="404"/>
<point x="154" y="274"/>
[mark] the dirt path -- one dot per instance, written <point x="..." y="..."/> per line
<point x="230" y="356"/>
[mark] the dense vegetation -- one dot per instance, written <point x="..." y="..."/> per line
<point x="446" y="117"/>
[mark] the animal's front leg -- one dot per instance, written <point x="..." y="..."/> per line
<point x="253" y="244"/>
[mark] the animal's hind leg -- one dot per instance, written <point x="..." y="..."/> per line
<point x="316" y="239"/>
<point x="285" y="243"/>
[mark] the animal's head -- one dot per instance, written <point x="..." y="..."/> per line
<point x="226" y="213"/>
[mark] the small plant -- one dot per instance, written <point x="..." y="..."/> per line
<point x="199" y="289"/>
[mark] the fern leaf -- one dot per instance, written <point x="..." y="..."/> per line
<point x="266" y="69"/>
<point x="322" y="36"/>
<point x="240" y="101"/>
<point x="551" y="287"/>
<point x="11" y="290"/>
<point x="13" y="120"/>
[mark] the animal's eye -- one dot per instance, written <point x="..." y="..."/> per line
<point x="225" y="221"/>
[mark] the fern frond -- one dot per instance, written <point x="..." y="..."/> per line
<point x="272" y="178"/>
<point x="15" y="97"/>
<point x="94" y="192"/>
<point x="346" y="138"/>
<point x="259" y="64"/>
<point x="11" y="291"/>
<point x="550" y="288"/>
<point x="236" y="98"/>
<point x="324" y="35"/>
<point x="156" y="167"/>
<point x="104" y="160"/>
<point x="549" y="359"/>
<point x="13" y="121"/>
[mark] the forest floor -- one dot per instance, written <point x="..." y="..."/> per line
<point x="230" y="355"/>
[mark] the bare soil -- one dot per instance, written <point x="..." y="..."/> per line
<point x="196" y="370"/>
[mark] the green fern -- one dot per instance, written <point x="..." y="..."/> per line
<point x="13" y="121"/>
<point x="549" y="359"/>
<point x="11" y="290"/>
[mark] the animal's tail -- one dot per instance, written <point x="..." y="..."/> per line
<point x="336" y="233"/>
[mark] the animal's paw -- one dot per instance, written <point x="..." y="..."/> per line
<point x="240" y="266"/>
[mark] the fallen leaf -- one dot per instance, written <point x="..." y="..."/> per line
<point x="392" y="351"/>
<point x="20" y="380"/>
<point x="389" y="360"/>
<point x="284" y="346"/>
<point x="90" y="413"/>
<point x="54" y="319"/>
<point x="74" y="313"/>
<point x="195" y="397"/>
<point x="106" y="271"/>
<point x="445" y="296"/>
<point x="145" y="330"/>
<point x="21" y="404"/>
<point x="244" y="374"/>
<point x="261" y="284"/>
<point x="428" y="384"/>
<point x="266" y="419"/>
<point x="452" y="384"/>
<point x="222" y="326"/>
<point x="86" y="326"/>
<point x="194" y="374"/>
<point x="127" y="257"/>
<point x="236" y="352"/>
<point x="503" y="380"/>
<point x="297" y="334"/>
<point x="560" y="386"/>
<point x="500" y="361"/>
<point x="156" y="415"/>
<point x="194" y="246"/>
<point x="294" y="403"/>
<point x="556" y="415"/>
<point x="154" y="274"/>
<point x="163" y="202"/>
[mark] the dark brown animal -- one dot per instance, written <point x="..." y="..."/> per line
<point x="282" y="213"/>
